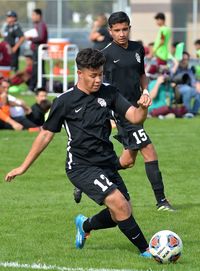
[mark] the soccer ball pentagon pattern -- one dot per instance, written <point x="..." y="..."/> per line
<point x="165" y="246"/>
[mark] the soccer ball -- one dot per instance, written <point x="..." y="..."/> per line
<point x="165" y="246"/>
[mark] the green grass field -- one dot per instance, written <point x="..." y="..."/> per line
<point x="37" y="209"/>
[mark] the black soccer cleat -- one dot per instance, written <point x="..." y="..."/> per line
<point x="165" y="206"/>
<point x="77" y="195"/>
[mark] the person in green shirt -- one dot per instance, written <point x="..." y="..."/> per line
<point x="160" y="49"/>
<point x="197" y="67"/>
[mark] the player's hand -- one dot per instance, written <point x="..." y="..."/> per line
<point x="161" y="79"/>
<point x="17" y="126"/>
<point x="197" y="85"/>
<point x="14" y="49"/>
<point x="13" y="173"/>
<point x="144" y="101"/>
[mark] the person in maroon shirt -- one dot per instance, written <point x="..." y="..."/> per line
<point x="42" y="38"/>
<point x="5" y="54"/>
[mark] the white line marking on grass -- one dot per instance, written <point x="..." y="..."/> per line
<point x="59" y="268"/>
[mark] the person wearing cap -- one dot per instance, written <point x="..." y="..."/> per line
<point x="13" y="35"/>
<point x="161" y="50"/>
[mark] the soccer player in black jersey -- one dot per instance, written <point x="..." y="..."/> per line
<point x="124" y="69"/>
<point x="84" y="110"/>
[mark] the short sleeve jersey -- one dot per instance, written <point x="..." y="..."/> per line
<point x="107" y="38"/>
<point x="124" y="67"/>
<point x="86" y="119"/>
<point x="162" y="52"/>
<point x="12" y="33"/>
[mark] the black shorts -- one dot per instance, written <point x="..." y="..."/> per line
<point x="97" y="182"/>
<point x="133" y="137"/>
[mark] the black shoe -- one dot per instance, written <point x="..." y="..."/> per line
<point x="165" y="206"/>
<point x="77" y="195"/>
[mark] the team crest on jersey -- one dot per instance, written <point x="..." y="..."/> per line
<point x="137" y="56"/>
<point x="102" y="102"/>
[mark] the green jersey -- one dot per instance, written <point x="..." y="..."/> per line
<point x="162" y="50"/>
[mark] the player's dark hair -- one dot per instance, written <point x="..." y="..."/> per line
<point x="38" y="90"/>
<point x="90" y="58"/>
<point x="38" y="11"/>
<point x="45" y="105"/>
<point x="186" y="53"/>
<point x="117" y="18"/>
<point x="175" y="43"/>
<point x="160" y="16"/>
<point x="197" y="42"/>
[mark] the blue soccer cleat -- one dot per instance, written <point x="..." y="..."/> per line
<point x="146" y="254"/>
<point x="80" y="234"/>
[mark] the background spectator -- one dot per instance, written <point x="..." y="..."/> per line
<point x="197" y="47"/>
<point x="40" y="108"/>
<point x="197" y="67"/>
<point x="5" y="54"/>
<point x="42" y="38"/>
<point x="162" y="40"/>
<point x="14" y="108"/>
<point x="23" y="76"/>
<point x="99" y="34"/>
<point x="151" y="66"/>
<point x="14" y="36"/>
<point x="185" y="79"/>
<point x="6" y="122"/>
<point x="163" y="98"/>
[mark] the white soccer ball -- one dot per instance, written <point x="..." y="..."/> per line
<point x="166" y="246"/>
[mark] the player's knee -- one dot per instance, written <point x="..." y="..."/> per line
<point x="128" y="163"/>
<point x="119" y="206"/>
<point x="122" y="211"/>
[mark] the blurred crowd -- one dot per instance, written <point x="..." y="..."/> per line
<point x="174" y="76"/>
<point x="15" y="113"/>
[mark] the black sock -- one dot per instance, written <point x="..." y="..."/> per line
<point x="102" y="220"/>
<point x="130" y="228"/>
<point x="119" y="166"/>
<point x="155" y="177"/>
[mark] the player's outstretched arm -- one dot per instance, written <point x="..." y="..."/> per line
<point x="137" y="115"/>
<point x="40" y="143"/>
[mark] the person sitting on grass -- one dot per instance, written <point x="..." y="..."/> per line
<point x="24" y="75"/>
<point x="13" y="109"/>
<point x="40" y="108"/>
<point x="5" y="54"/>
<point x="187" y="85"/>
<point x="163" y="97"/>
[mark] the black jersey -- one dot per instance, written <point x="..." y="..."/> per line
<point x="103" y="31"/>
<point x="124" y="67"/>
<point x="87" y="121"/>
